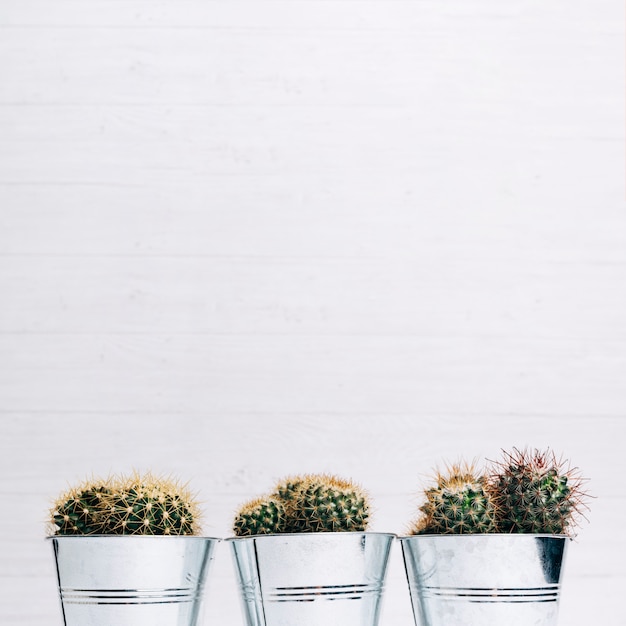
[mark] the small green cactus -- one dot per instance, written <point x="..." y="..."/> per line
<point x="536" y="493"/>
<point x="288" y="488"/>
<point x="80" y="511"/>
<point x="139" y="505"/>
<point x="145" y="505"/>
<point x="309" y="503"/>
<point x="287" y="492"/>
<point x="261" y="516"/>
<point x="329" y="504"/>
<point x="459" y="503"/>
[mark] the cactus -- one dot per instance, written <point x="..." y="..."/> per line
<point x="261" y="516"/>
<point x="145" y="505"/>
<point x="80" y="511"/>
<point x="310" y="503"/>
<point x="287" y="492"/>
<point x="536" y="493"/>
<point x="329" y="504"/>
<point x="459" y="503"/>
<point x="288" y="488"/>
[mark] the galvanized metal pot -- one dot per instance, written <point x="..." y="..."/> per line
<point x="484" y="580"/>
<point x="131" y="580"/>
<point x="312" y="579"/>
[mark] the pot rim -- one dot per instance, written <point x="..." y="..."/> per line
<point x="475" y="535"/>
<point x="136" y="537"/>
<point x="316" y="534"/>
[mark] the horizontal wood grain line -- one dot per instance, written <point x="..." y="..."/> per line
<point x="34" y="13"/>
<point x="272" y="258"/>
<point x="380" y="374"/>
<point x="407" y="28"/>
<point x="343" y="334"/>
<point x="196" y="27"/>
<point x="300" y="258"/>
<point x="455" y="416"/>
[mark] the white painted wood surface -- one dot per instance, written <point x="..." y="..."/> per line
<point x="241" y="239"/>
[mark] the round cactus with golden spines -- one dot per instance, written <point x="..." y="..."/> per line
<point x="326" y="503"/>
<point x="460" y="502"/>
<point x="81" y="510"/>
<point x="261" y="516"/>
<point x="136" y="505"/>
<point x="307" y="503"/>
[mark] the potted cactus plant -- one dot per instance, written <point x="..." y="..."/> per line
<point x="488" y="547"/>
<point x="128" y="551"/>
<point x="303" y="555"/>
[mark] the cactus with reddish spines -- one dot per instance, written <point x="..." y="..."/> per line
<point x="536" y="493"/>
<point x="459" y="503"/>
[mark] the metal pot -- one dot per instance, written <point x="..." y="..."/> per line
<point x="119" y="580"/>
<point x="312" y="579"/>
<point x="484" y="580"/>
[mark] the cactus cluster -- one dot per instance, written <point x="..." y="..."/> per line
<point x="136" y="505"/>
<point x="528" y="491"/>
<point x="309" y="503"/>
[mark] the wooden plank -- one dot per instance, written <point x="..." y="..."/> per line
<point x="304" y="14"/>
<point x="430" y="297"/>
<point x="401" y="221"/>
<point x="443" y="58"/>
<point x="348" y="374"/>
<point x="262" y="14"/>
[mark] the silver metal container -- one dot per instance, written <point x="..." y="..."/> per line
<point x="484" y="580"/>
<point x="312" y="579"/>
<point x="117" y="580"/>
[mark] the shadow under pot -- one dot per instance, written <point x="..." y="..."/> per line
<point x="131" y="580"/>
<point x="310" y="579"/>
<point x="484" y="579"/>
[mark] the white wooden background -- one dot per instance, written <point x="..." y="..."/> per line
<point x="245" y="238"/>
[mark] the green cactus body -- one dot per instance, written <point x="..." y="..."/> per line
<point x="150" y="507"/>
<point x="288" y="488"/>
<point x="310" y="503"/>
<point x="535" y="494"/>
<point x="141" y="505"/>
<point x="328" y="504"/>
<point x="81" y="510"/>
<point x="287" y="492"/>
<point x="260" y="517"/>
<point x="459" y="503"/>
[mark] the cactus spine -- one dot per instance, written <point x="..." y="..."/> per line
<point x="139" y="505"/>
<point x="529" y="491"/>
<point x="330" y="504"/>
<point x="536" y="493"/>
<point x="459" y="503"/>
<point x="309" y="503"/>
<point x="145" y="505"/>
<point x="80" y="511"/>
<point x="261" y="516"/>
